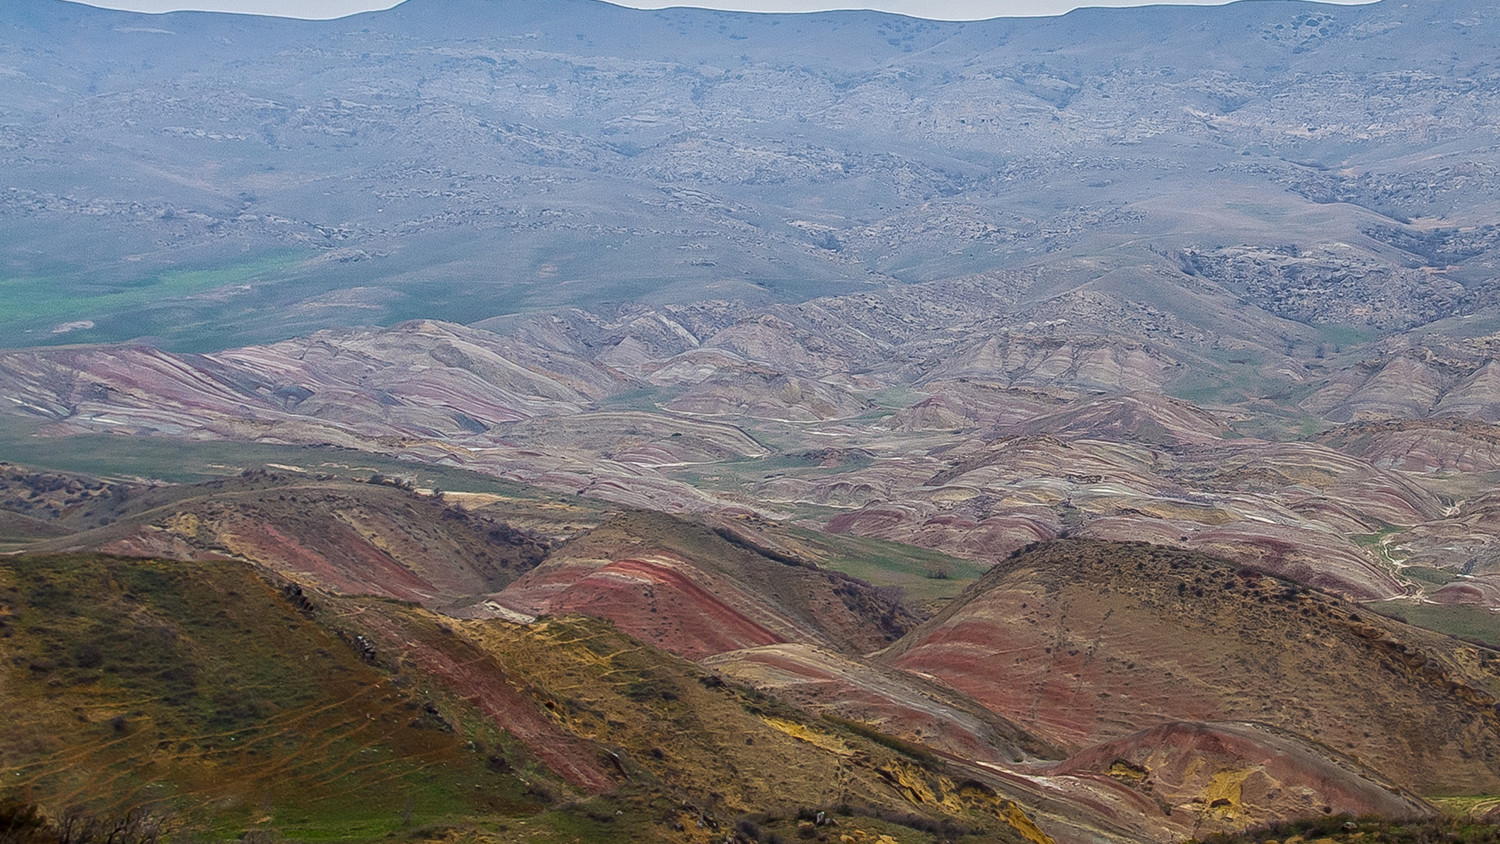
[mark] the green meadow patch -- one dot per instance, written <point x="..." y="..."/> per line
<point x="32" y="308"/>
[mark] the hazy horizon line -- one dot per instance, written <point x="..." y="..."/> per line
<point x="336" y="9"/>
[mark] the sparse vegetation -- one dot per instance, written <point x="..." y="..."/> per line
<point x="906" y="748"/>
<point x="911" y="569"/>
<point x="1462" y="621"/>
<point x="900" y="280"/>
<point x="173" y="670"/>
<point x="1343" y="829"/>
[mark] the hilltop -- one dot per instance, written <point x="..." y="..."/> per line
<point x="489" y="421"/>
<point x="1085" y="642"/>
<point x="233" y="705"/>
<point x="1071" y="282"/>
<point x="1114" y="700"/>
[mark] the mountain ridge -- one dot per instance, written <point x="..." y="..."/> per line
<point x="693" y="156"/>
<point x="1024" y="430"/>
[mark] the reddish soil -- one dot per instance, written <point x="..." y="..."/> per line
<point x="483" y="682"/>
<point x="703" y="587"/>
<point x="892" y="701"/>
<point x="655" y="601"/>
<point x="1083" y="643"/>
<point x="1241" y="773"/>
<point x="341" y="561"/>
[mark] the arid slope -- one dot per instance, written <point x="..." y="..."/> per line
<point x="1084" y="642"/>
<point x="696" y="590"/>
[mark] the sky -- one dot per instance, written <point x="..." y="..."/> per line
<point x="938" y="9"/>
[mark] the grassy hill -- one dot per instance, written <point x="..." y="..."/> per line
<point x="215" y="695"/>
<point x="222" y="703"/>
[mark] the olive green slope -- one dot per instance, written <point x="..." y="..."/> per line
<point x="225" y="703"/>
<point x="210" y="693"/>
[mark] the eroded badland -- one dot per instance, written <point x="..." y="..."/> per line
<point x="485" y="422"/>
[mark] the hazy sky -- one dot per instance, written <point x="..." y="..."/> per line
<point x="942" y="9"/>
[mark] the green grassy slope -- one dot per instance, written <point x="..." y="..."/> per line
<point x="207" y="690"/>
<point x="231" y="706"/>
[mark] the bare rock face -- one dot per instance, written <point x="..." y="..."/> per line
<point x="658" y="599"/>
<point x="768" y="339"/>
<point x="1429" y="379"/>
<point x="632" y="437"/>
<point x="1148" y="419"/>
<point x="1330" y="284"/>
<point x="1401" y="388"/>
<point x="418" y="379"/>
<point x="975" y="438"/>
<point x="971" y="403"/>
<point x="1475" y="397"/>
<point x="984" y="538"/>
<point x="768" y="396"/>
<point x="1292" y="509"/>
<point x="1037" y="363"/>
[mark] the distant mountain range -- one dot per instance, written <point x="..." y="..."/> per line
<point x="210" y="180"/>
<point x="619" y="425"/>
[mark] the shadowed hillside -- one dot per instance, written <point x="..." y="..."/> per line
<point x="697" y="589"/>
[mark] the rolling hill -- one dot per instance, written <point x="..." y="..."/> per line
<point x="487" y="421"/>
<point x="1220" y="711"/>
